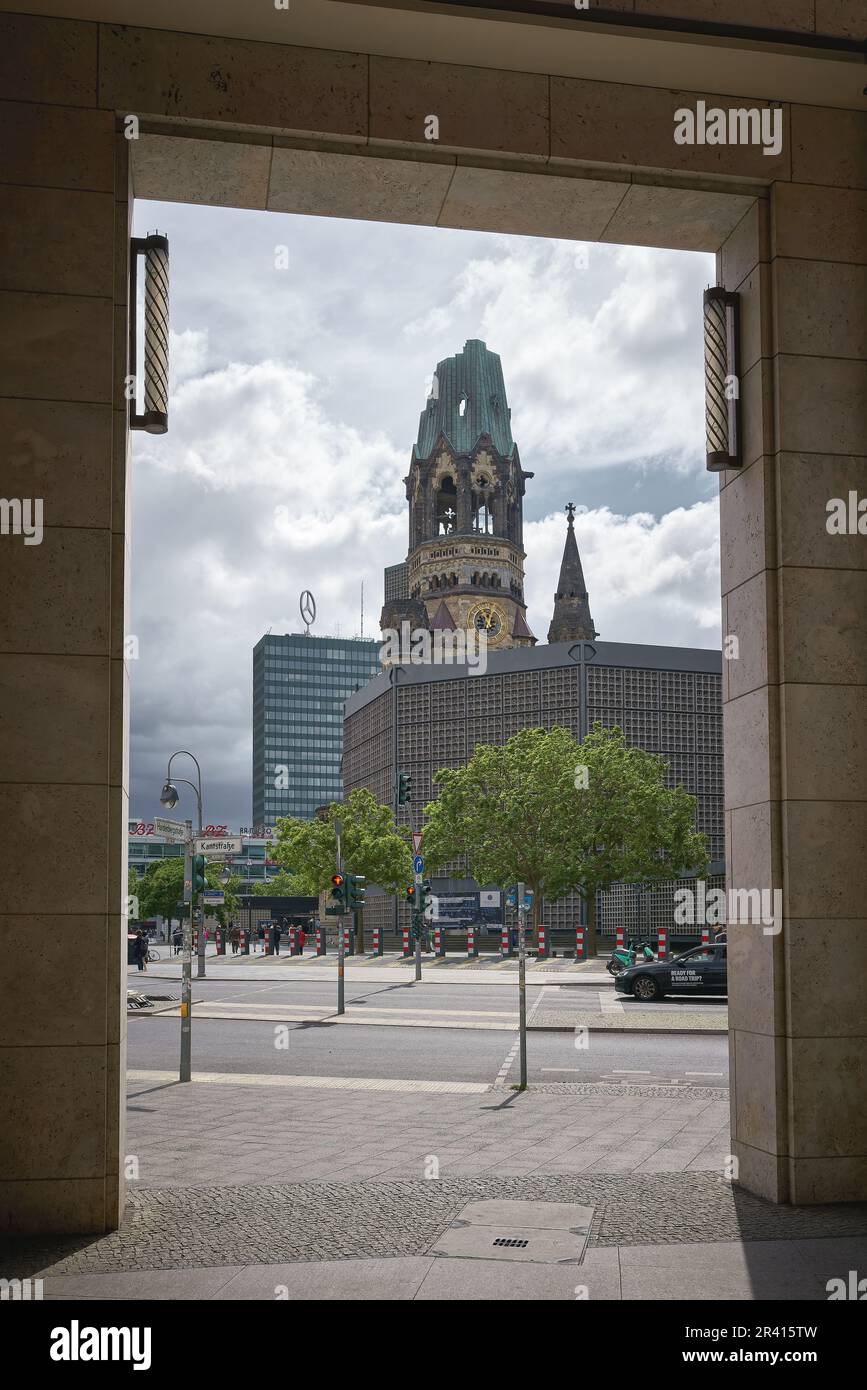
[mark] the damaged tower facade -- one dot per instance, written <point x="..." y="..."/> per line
<point x="465" y="487"/>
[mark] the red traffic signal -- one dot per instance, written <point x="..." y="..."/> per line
<point x="337" y="880"/>
<point x="410" y="893"/>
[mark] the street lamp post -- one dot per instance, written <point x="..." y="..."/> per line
<point x="581" y="652"/>
<point x="169" y="798"/>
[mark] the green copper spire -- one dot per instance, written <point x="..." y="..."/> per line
<point x="468" y="399"/>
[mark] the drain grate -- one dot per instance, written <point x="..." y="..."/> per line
<point x="512" y="1244"/>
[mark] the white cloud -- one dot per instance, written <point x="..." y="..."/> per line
<point x="649" y="580"/>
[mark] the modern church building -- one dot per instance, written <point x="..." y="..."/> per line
<point x="465" y="570"/>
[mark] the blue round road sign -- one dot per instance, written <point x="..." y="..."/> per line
<point x="418" y="864"/>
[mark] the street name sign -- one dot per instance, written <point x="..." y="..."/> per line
<point x="214" y="897"/>
<point x="215" y="848"/>
<point x="175" y="830"/>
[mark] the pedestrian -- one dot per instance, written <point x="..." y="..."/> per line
<point x="177" y="939"/>
<point x="140" y="950"/>
<point x="301" y="938"/>
<point x="235" y="938"/>
<point x="275" y="940"/>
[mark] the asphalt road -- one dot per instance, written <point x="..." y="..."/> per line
<point x="329" y="1049"/>
<point x="404" y="993"/>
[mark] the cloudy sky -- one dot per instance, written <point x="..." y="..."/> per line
<point x="301" y="352"/>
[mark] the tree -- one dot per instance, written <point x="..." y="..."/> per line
<point x="560" y="816"/>
<point x="372" y="846"/>
<point x="284" y="884"/>
<point x="161" y="891"/>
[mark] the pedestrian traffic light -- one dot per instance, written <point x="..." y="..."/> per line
<point x="355" y="892"/>
<point x="404" y="789"/>
<point x="337" y="906"/>
<point x="200" y="882"/>
<point x="411" y="895"/>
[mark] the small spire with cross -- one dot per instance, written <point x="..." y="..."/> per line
<point x="570" y="512"/>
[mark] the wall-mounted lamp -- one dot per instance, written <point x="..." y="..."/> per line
<point x="155" y="368"/>
<point x="721" y="379"/>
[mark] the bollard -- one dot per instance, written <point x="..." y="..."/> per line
<point x="347" y="941"/>
<point x="542" y="953"/>
<point x="620" y="941"/>
<point x="705" y="936"/>
<point x="439" y="941"/>
<point x="195" y="940"/>
<point x="221" y="942"/>
<point x="268" y="939"/>
<point x="320" y="940"/>
<point x="293" y="941"/>
<point x="407" y="949"/>
<point x="505" y="943"/>
<point x="377" y="941"/>
<point x="472" y="948"/>
<point x="245" y="944"/>
<point x="662" y="952"/>
<point x="579" y="943"/>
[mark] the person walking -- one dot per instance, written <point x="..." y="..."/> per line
<point x="140" y="950"/>
<point x="177" y="940"/>
<point x="235" y="938"/>
<point x="301" y="937"/>
<point x="275" y="940"/>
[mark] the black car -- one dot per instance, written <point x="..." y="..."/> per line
<point x="700" y="971"/>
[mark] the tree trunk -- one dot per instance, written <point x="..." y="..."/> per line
<point x="591" y="925"/>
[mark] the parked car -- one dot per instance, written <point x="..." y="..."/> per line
<point x="700" y="971"/>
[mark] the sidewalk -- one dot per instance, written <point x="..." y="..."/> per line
<point x="255" y="1188"/>
<point x="382" y="969"/>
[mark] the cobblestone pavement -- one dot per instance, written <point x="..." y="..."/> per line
<point x="270" y="1224"/>
<point x="226" y="1128"/>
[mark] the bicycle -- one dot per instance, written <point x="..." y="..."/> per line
<point x="152" y="955"/>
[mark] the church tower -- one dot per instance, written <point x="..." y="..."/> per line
<point x="465" y="488"/>
<point x="571" y="621"/>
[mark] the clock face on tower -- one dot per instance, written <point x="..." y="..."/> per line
<point x="488" y="618"/>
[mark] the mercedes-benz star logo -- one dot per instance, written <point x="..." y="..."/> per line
<point x="308" y="608"/>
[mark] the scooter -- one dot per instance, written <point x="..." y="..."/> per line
<point x="623" y="958"/>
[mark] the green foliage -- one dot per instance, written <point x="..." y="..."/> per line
<point x="162" y="889"/>
<point x="372" y="845"/>
<point x="285" y="884"/>
<point x="524" y="812"/>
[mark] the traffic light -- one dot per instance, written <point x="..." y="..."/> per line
<point x="337" y="906"/>
<point x="199" y="880"/>
<point x="355" y="892"/>
<point x="411" y="895"/>
<point x="404" y="789"/>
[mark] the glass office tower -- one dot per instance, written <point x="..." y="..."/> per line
<point x="299" y="686"/>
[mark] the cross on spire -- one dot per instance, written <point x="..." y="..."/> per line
<point x="570" y="512"/>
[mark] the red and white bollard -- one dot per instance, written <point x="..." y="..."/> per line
<point x="293" y="941"/>
<point x="505" y="944"/>
<point x="377" y="941"/>
<point x="407" y="949"/>
<point x="620" y="939"/>
<point x="195" y="940"/>
<point x="543" y="943"/>
<point x="705" y="936"/>
<point x="439" y="942"/>
<point x="320" y="940"/>
<point x="662" y="951"/>
<point x="579" y="943"/>
<point x="245" y="945"/>
<point x="472" y="948"/>
<point x="221" y="942"/>
<point x="268" y="940"/>
<point x="347" y="940"/>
